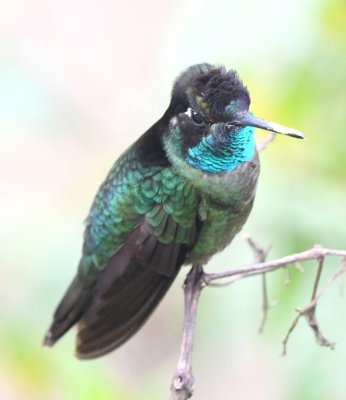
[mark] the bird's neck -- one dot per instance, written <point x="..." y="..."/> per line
<point x="223" y="154"/>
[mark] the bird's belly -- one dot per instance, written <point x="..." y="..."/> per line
<point x="217" y="232"/>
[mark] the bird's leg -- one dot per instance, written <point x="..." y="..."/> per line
<point x="183" y="380"/>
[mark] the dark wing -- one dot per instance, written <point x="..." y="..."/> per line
<point x="129" y="289"/>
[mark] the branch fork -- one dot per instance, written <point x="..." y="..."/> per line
<point x="183" y="380"/>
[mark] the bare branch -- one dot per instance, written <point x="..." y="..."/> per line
<point x="309" y="312"/>
<point x="265" y="303"/>
<point x="183" y="380"/>
<point x="318" y="277"/>
<point x="259" y="252"/>
<point x="310" y="316"/>
<point x="197" y="279"/>
<point x="254" y="269"/>
<point x="288" y="334"/>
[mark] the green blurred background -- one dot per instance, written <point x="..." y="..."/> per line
<point x="79" y="81"/>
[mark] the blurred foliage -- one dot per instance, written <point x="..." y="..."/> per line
<point x="58" y="142"/>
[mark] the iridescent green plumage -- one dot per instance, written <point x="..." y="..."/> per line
<point x="177" y="195"/>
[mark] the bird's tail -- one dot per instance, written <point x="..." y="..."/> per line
<point x="126" y="292"/>
<point x="112" y="311"/>
<point x="70" y="309"/>
<point x="119" y="313"/>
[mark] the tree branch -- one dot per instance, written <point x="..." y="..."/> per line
<point x="183" y="380"/>
<point x="197" y="279"/>
<point x="254" y="269"/>
<point x="309" y="311"/>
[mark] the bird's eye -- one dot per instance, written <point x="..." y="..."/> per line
<point x="197" y="118"/>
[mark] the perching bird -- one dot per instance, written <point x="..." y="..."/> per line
<point x="177" y="196"/>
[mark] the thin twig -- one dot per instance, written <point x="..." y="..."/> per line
<point x="330" y="282"/>
<point x="288" y="334"/>
<point x="259" y="252"/>
<point x="309" y="311"/>
<point x="265" y="303"/>
<point x="260" y="256"/>
<point x="183" y="380"/>
<point x="318" y="277"/>
<point x="254" y="269"/>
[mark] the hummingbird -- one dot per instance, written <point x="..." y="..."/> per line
<point x="176" y="196"/>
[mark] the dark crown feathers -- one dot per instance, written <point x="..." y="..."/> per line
<point x="209" y="89"/>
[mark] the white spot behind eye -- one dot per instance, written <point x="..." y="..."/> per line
<point x="188" y="112"/>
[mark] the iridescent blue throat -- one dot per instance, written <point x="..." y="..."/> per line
<point x="225" y="153"/>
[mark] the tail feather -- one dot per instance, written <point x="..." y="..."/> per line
<point x="102" y="321"/>
<point x="124" y="319"/>
<point x="69" y="311"/>
<point x="122" y="304"/>
<point x="124" y="294"/>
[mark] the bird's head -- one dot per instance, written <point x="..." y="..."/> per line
<point x="210" y="125"/>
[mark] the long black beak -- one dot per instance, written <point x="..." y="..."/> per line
<point x="246" y="119"/>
